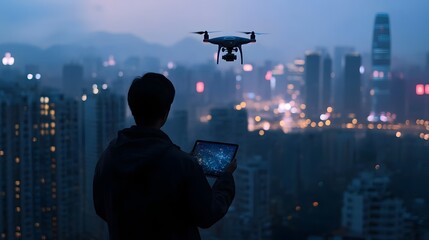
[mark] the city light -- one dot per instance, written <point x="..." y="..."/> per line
<point x="29" y="76"/>
<point x="199" y="87"/>
<point x="268" y="75"/>
<point x="420" y="89"/>
<point x="247" y="67"/>
<point x="38" y="76"/>
<point x="8" y="60"/>
<point x="84" y="97"/>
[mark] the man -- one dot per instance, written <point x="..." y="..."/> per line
<point x="145" y="187"/>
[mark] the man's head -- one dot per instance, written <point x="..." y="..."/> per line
<point x="150" y="98"/>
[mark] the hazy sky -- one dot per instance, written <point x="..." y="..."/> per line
<point x="295" y="25"/>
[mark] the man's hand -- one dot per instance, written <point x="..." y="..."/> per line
<point x="232" y="166"/>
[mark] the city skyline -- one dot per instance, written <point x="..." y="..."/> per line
<point x="293" y="26"/>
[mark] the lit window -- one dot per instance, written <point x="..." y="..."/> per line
<point x="420" y="89"/>
<point x="427" y="89"/>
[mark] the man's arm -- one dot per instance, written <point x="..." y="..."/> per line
<point x="209" y="204"/>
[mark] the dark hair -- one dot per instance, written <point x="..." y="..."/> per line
<point x="150" y="98"/>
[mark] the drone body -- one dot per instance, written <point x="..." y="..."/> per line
<point x="230" y="44"/>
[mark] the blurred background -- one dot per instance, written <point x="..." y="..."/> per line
<point x="330" y="109"/>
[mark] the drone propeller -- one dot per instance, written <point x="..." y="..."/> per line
<point x="252" y="32"/>
<point x="202" y="32"/>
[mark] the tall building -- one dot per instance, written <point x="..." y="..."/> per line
<point x="327" y="82"/>
<point x="102" y="114"/>
<point x="338" y="82"/>
<point x="252" y="200"/>
<point x="381" y="55"/>
<point x="39" y="183"/>
<point x="427" y="62"/>
<point x="371" y="211"/>
<point x="312" y="85"/>
<point x="352" y="87"/>
<point x="73" y="79"/>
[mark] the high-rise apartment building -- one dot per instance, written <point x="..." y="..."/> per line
<point x="39" y="181"/>
<point x="381" y="57"/>
<point x="370" y="210"/>
<point x="252" y="198"/>
<point x="352" y="94"/>
<point x="102" y="114"/>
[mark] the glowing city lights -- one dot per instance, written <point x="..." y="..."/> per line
<point x="8" y="60"/>
<point x="104" y="86"/>
<point x="199" y="87"/>
<point x="170" y="65"/>
<point x="84" y="97"/>
<point x="420" y="89"/>
<point x="29" y="76"/>
<point x="110" y="62"/>
<point x="268" y="75"/>
<point x="247" y="67"/>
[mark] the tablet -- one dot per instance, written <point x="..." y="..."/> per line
<point x="214" y="157"/>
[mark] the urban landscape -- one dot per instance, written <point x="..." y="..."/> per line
<point x="334" y="144"/>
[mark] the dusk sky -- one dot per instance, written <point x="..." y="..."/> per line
<point x="294" y="25"/>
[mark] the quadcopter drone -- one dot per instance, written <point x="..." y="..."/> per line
<point x="230" y="44"/>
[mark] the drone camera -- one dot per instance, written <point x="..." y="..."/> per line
<point x="229" y="57"/>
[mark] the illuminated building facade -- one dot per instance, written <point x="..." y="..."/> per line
<point x="312" y="85"/>
<point x="39" y="187"/>
<point x="102" y="115"/>
<point x="381" y="55"/>
<point x="352" y="87"/>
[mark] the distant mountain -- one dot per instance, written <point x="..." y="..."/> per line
<point x="122" y="46"/>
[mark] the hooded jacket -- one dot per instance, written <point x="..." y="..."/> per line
<point x="145" y="187"/>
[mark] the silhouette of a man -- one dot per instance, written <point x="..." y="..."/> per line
<point x="145" y="187"/>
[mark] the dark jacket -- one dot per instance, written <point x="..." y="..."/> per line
<point x="145" y="187"/>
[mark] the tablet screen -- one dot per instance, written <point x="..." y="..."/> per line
<point x="214" y="157"/>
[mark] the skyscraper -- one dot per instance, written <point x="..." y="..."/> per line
<point x="427" y="62"/>
<point x="312" y="85"/>
<point x="326" y="82"/>
<point x="338" y="81"/>
<point x="381" y="54"/>
<point x="352" y="87"/>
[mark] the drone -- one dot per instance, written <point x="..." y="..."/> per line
<point x="230" y="44"/>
